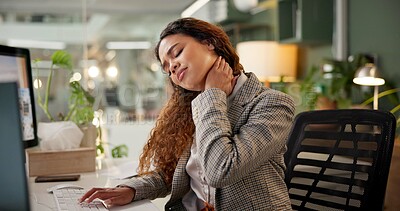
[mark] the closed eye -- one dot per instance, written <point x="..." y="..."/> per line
<point x="179" y="52"/>
<point x="170" y="53"/>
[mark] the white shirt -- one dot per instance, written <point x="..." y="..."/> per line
<point x="200" y="191"/>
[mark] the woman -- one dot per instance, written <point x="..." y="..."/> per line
<point x="219" y="141"/>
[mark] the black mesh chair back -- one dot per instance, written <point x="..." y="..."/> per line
<point x="339" y="159"/>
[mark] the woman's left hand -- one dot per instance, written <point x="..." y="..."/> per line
<point x="221" y="76"/>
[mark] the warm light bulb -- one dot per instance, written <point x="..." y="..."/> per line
<point x="37" y="83"/>
<point x="112" y="72"/>
<point x="369" y="81"/>
<point x="93" y="71"/>
<point x="154" y="67"/>
<point x="77" y="76"/>
<point x="96" y="122"/>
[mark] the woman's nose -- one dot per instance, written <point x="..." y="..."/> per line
<point x="174" y="66"/>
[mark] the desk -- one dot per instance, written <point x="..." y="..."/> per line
<point x="41" y="200"/>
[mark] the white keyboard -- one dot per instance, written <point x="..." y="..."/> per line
<point x="67" y="199"/>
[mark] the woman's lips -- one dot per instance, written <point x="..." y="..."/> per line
<point x="181" y="74"/>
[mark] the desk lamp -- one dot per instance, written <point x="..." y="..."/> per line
<point x="368" y="75"/>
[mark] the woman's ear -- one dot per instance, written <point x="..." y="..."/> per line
<point x="209" y="45"/>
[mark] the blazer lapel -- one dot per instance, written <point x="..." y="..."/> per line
<point x="181" y="183"/>
<point x="250" y="89"/>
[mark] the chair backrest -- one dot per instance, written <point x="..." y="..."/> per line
<point x="339" y="159"/>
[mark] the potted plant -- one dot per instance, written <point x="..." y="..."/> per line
<point x="329" y="86"/>
<point x="80" y="102"/>
<point x="80" y="110"/>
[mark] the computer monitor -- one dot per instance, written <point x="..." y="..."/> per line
<point x="15" y="66"/>
<point x="14" y="194"/>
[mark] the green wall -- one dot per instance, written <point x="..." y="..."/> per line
<point x="374" y="27"/>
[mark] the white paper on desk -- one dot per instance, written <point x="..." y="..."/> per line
<point x="122" y="171"/>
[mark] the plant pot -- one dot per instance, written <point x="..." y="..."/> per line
<point x="89" y="136"/>
<point x="324" y="103"/>
<point x="61" y="135"/>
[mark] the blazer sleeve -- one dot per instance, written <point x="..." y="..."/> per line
<point x="149" y="186"/>
<point x="228" y="157"/>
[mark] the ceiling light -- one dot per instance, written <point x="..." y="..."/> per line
<point x="193" y="8"/>
<point x="36" y="44"/>
<point x="128" y="45"/>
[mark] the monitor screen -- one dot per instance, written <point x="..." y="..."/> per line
<point x="13" y="181"/>
<point x="15" y="66"/>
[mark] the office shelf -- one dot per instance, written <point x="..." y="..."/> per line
<point x="305" y="21"/>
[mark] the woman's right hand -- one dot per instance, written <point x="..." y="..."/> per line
<point x="111" y="196"/>
<point x="221" y="76"/>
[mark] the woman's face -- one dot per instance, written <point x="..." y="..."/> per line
<point x="187" y="60"/>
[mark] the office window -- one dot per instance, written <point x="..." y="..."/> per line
<point x="112" y="47"/>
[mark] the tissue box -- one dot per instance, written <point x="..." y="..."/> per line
<point x="78" y="160"/>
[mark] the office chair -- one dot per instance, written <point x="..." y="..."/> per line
<point x="339" y="159"/>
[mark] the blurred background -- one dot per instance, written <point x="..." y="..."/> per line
<point x="112" y="45"/>
<point x="310" y="49"/>
<point x="123" y="77"/>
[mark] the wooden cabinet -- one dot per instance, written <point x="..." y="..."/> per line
<point x="305" y="21"/>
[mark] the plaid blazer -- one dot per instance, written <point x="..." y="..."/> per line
<point x="241" y="151"/>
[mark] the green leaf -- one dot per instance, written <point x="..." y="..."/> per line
<point x="120" y="151"/>
<point x="62" y="59"/>
<point x="395" y="109"/>
<point x="100" y="149"/>
<point x="35" y="61"/>
<point x="382" y="94"/>
<point x="80" y="104"/>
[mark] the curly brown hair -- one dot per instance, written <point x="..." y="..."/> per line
<point x="174" y="128"/>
